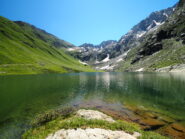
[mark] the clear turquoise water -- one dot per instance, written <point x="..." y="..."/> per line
<point x="23" y="97"/>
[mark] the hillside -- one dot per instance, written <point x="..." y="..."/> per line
<point x="25" y="49"/>
<point x="161" y="50"/>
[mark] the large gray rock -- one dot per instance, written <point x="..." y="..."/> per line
<point x="92" y="133"/>
<point x="92" y="114"/>
<point x="89" y="133"/>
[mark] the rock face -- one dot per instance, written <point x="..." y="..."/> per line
<point x="181" y="3"/>
<point x="91" y="114"/>
<point x="168" y="40"/>
<point x="89" y="133"/>
<point x="151" y="23"/>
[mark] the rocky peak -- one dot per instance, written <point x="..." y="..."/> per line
<point x="101" y="45"/>
<point x="181" y="3"/>
<point x="150" y="23"/>
<point x="106" y="43"/>
<point x="87" y="45"/>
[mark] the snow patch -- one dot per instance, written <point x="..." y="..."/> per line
<point x="97" y="62"/>
<point x="140" y="34"/>
<point x="140" y="70"/>
<point x="119" y="60"/>
<point x="149" y="27"/>
<point x="155" y="27"/>
<point x="75" y="49"/>
<point x="165" y="14"/>
<point x="71" y="49"/>
<point x="157" y="23"/>
<point x="126" y="53"/>
<point x="83" y="63"/>
<point x="106" y="59"/>
<point x="107" y="67"/>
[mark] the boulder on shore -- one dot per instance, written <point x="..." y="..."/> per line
<point x="92" y="133"/>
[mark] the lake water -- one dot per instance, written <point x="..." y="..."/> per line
<point x="156" y="101"/>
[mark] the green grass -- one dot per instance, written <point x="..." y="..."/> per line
<point x="172" y="54"/>
<point x="74" y="122"/>
<point x="24" y="49"/>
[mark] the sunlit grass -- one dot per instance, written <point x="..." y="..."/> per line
<point x="27" y="50"/>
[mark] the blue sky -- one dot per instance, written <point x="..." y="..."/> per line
<point x="83" y="21"/>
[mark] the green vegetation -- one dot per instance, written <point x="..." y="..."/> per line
<point x="172" y="54"/>
<point x="25" y="49"/>
<point x="73" y="122"/>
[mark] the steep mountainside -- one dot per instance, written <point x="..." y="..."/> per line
<point x="25" y="49"/>
<point x="110" y="56"/>
<point x="151" y="23"/>
<point x="160" y="50"/>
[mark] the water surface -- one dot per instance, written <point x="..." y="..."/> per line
<point x="154" y="100"/>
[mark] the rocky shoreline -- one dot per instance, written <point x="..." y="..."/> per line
<point x="92" y="133"/>
<point x="88" y="124"/>
<point x="174" y="68"/>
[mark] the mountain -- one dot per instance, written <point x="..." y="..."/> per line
<point x="91" y="53"/>
<point x="162" y="49"/>
<point x="101" y="45"/>
<point x="154" y="44"/>
<point x="111" y="55"/>
<point x="96" y="55"/>
<point x="25" y="49"/>
<point x="151" y="23"/>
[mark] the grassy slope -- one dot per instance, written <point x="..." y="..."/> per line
<point x="25" y="49"/>
<point x="173" y="53"/>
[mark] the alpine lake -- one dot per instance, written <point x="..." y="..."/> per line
<point x="156" y="101"/>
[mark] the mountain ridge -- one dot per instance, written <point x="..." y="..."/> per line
<point x="115" y="52"/>
<point x="162" y="49"/>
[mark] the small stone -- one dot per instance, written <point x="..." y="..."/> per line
<point x="136" y="134"/>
